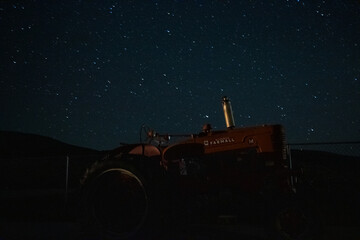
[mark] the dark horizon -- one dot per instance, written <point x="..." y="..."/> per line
<point x="27" y="145"/>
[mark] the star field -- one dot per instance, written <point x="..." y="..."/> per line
<point x="90" y="73"/>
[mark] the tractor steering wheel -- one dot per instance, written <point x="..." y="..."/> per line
<point x="146" y="134"/>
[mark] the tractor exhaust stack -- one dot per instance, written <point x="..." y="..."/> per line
<point x="229" y="117"/>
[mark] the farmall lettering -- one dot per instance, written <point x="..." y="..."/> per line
<point x="219" y="141"/>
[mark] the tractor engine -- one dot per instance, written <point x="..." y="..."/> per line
<point x="240" y="158"/>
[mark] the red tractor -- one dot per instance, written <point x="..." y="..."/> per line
<point x="237" y="174"/>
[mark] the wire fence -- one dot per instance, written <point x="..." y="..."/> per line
<point x="347" y="148"/>
<point x="64" y="172"/>
<point x="57" y="172"/>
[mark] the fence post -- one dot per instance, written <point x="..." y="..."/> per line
<point x="66" y="179"/>
<point x="290" y="165"/>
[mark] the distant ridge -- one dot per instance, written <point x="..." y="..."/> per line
<point x="18" y="144"/>
<point x="38" y="157"/>
<point x="35" y="161"/>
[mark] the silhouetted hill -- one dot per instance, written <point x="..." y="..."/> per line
<point x="16" y="144"/>
<point x="331" y="183"/>
<point x="325" y="167"/>
<point x="33" y="160"/>
<point x="38" y="162"/>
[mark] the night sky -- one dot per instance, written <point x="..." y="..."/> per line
<point x="91" y="72"/>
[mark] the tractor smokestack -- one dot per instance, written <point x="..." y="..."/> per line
<point x="229" y="117"/>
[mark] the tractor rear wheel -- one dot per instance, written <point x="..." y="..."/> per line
<point x="119" y="200"/>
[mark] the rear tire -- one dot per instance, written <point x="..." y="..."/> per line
<point x="120" y="201"/>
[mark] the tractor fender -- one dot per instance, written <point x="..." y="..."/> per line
<point x="134" y="149"/>
<point x="146" y="158"/>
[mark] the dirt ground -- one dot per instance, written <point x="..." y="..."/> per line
<point x="71" y="231"/>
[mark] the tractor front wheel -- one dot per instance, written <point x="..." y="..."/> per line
<point x="291" y="220"/>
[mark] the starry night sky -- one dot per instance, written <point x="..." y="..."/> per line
<point x="90" y="73"/>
